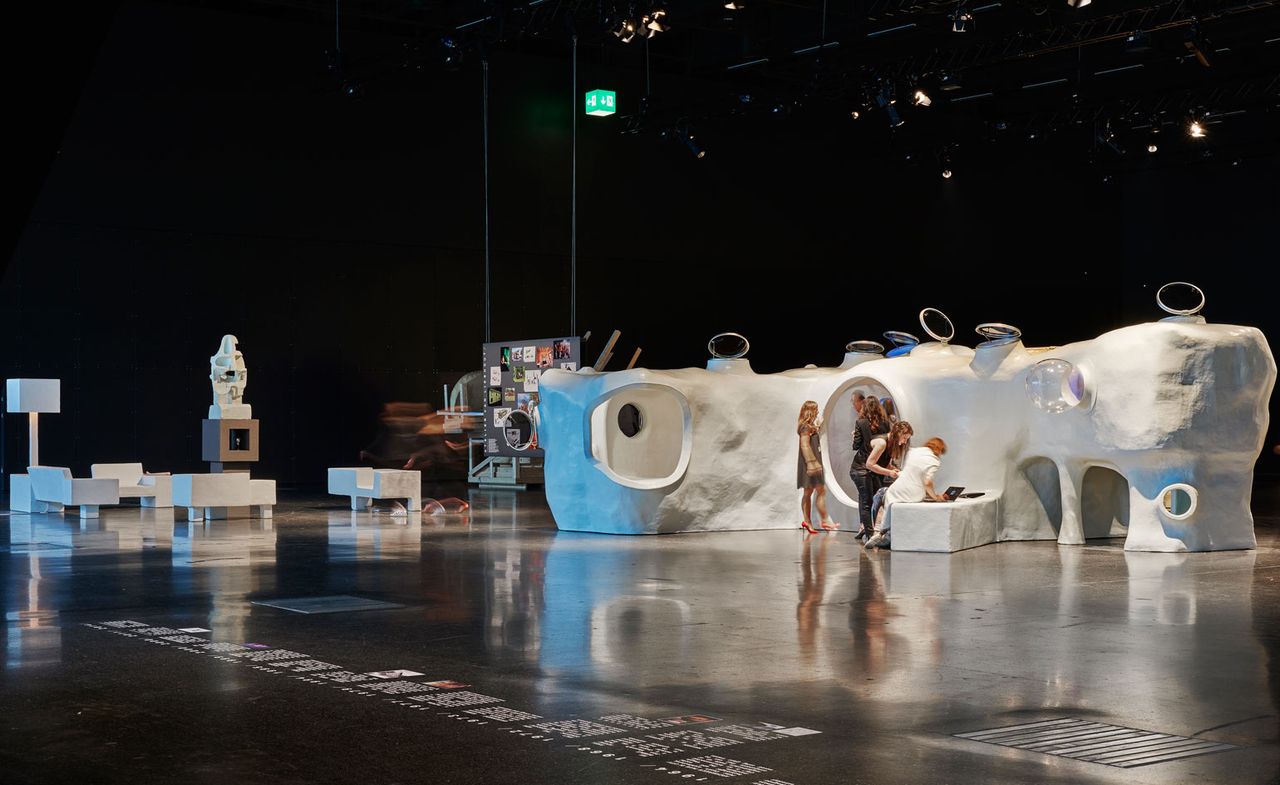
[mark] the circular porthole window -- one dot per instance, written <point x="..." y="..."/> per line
<point x="937" y="325"/>
<point x="518" y="430"/>
<point x="728" y="346"/>
<point x="864" y="347"/>
<point x="1179" y="501"/>
<point x="1180" y="298"/>
<point x="630" y="420"/>
<point x="1056" y="385"/>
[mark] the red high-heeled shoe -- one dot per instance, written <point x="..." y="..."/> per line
<point x="832" y="527"/>
<point x="805" y="525"/>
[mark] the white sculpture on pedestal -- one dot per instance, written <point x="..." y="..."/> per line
<point x="1148" y="432"/>
<point x="229" y="376"/>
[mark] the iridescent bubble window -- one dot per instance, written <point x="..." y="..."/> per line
<point x="1056" y="385"/>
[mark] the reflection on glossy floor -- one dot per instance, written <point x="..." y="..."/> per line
<point x="888" y="655"/>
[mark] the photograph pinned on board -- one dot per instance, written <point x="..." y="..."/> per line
<point x="544" y="356"/>
<point x="494" y="396"/>
<point x="530" y="354"/>
<point x="563" y="349"/>
<point x="495" y="374"/>
<point x="568" y="366"/>
<point x="509" y="395"/>
<point x="531" y="380"/>
<point x="500" y="416"/>
<point x="517" y="374"/>
<point x="524" y="401"/>
<point x="517" y="354"/>
<point x="505" y="355"/>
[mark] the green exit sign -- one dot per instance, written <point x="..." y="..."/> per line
<point x="602" y="103"/>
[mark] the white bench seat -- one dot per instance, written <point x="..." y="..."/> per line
<point x="152" y="490"/>
<point x="364" y="484"/>
<point x="211" y="495"/>
<point x="944" y="527"/>
<point x="53" y="489"/>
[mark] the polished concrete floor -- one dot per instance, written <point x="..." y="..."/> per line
<point x="743" y="658"/>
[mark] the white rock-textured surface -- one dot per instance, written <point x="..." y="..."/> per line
<point x="1168" y="402"/>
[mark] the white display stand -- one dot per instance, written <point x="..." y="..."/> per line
<point x="152" y="490"/>
<point x="32" y="397"/>
<point x="365" y="484"/>
<point x="52" y="488"/>
<point x="944" y="527"/>
<point x="208" y="496"/>
<point x="1092" y="444"/>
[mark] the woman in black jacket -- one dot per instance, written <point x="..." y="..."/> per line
<point x="871" y="424"/>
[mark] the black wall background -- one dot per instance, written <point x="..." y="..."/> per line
<point x="212" y="180"/>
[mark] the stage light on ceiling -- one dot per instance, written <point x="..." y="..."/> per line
<point x="1078" y="4"/>
<point x="946" y="174"/>
<point x="921" y="98"/>
<point x="1137" y="42"/>
<point x="1196" y="129"/>
<point x="960" y="19"/>
<point x="886" y="101"/>
<point x="949" y="82"/>
<point x="698" y="150"/>
<point x="653" y="23"/>
<point x="1153" y="140"/>
<point x="625" y="31"/>
<point x="855" y="114"/>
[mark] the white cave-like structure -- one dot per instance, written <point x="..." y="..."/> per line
<point x="1148" y="432"/>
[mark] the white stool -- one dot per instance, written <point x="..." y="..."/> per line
<point x="364" y="485"/>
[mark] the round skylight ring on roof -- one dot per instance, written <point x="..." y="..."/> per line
<point x="932" y="334"/>
<point x="1180" y="311"/>
<point x="716" y="353"/>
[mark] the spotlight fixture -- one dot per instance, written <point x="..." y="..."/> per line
<point x="944" y="163"/>
<point x="698" y="150"/>
<point x="949" y="81"/>
<point x="921" y="98"/>
<point x="855" y="114"/>
<point x="625" y="31"/>
<point x="960" y="19"/>
<point x="652" y="24"/>
<point x="1078" y="4"/>
<point x="1198" y="46"/>
<point x="886" y="101"/>
<point x="1137" y="42"/>
<point x="946" y="173"/>
<point x="1196" y="128"/>
<point x="1153" y="139"/>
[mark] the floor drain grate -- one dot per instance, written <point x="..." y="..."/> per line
<point x="1096" y="742"/>
<point x="339" y="603"/>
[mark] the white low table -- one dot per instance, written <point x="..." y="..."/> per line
<point x="944" y="527"/>
<point x="364" y="484"/>
<point x="214" y="495"/>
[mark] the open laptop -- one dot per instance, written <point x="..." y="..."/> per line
<point x="950" y="494"/>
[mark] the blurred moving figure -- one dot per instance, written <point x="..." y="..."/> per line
<point x="418" y="436"/>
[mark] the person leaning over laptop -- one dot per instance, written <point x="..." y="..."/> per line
<point x="914" y="484"/>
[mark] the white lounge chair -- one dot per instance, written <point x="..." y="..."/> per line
<point x="54" y="489"/>
<point x="152" y="490"/>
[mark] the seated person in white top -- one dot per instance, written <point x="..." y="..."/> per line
<point x="914" y="484"/>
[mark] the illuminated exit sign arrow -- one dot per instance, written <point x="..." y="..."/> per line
<point x="601" y="103"/>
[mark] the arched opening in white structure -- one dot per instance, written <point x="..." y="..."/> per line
<point x="839" y="417"/>
<point x="641" y="435"/>
<point x="1104" y="503"/>
<point x="1042" y="475"/>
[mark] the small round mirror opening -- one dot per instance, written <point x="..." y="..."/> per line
<point x="1180" y="298"/>
<point x="1055" y="386"/>
<point x="864" y="347"/>
<point x="1179" y="501"/>
<point x="937" y="325"/>
<point x="518" y="431"/>
<point x="728" y="346"/>
<point x="630" y="421"/>
<point x="998" y="333"/>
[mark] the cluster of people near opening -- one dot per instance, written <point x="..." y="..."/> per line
<point x="886" y="469"/>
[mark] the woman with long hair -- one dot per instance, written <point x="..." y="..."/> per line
<point x="886" y="458"/>
<point x="871" y="424"/>
<point x="810" y="474"/>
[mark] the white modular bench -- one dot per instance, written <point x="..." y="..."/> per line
<point x="53" y="488"/>
<point x="944" y="527"/>
<point x="364" y="484"/>
<point x="152" y="490"/>
<point x="213" y="495"/>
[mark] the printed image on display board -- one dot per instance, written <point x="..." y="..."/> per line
<point x="514" y="370"/>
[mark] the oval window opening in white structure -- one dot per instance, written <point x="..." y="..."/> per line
<point x="630" y="420"/>
<point x="728" y="346"/>
<point x="518" y="431"/>
<point x="1056" y="386"/>
<point x="641" y="435"/>
<point x="1179" y="501"/>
